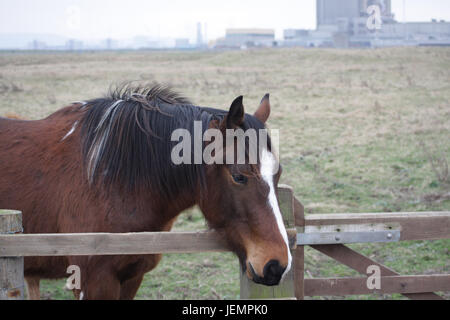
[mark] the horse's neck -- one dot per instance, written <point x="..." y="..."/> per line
<point x="158" y="214"/>
<point x="180" y="203"/>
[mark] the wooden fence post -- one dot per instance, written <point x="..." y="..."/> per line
<point x="299" y="252"/>
<point x="11" y="268"/>
<point x="286" y="289"/>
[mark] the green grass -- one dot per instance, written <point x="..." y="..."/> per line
<point x="357" y="129"/>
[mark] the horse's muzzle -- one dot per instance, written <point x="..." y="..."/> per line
<point x="272" y="273"/>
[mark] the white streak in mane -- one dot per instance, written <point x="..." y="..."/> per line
<point x="269" y="167"/>
<point x="70" y="131"/>
<point x="101" y="135"/>
<point x="79" y="102"/>
<point x="83" y="103"/>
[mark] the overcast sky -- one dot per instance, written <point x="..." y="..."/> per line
<point x="94" y="19"/>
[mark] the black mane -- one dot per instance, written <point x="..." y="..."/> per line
<point x="126" y="138"/>
<point x="155" y="93"/>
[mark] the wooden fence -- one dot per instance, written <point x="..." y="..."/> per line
<point x="327" y="233"/>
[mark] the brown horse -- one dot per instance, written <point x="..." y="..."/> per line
<point x="104" y="165"/>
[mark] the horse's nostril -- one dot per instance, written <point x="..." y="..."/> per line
<point x="273" y="272"/>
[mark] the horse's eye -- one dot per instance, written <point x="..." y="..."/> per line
<point x="239" y="178"/>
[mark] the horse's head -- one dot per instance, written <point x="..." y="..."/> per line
<point x="240" y="200"/>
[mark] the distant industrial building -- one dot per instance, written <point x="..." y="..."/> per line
<point x="110" y="44"/>
<point x="182" y="43"/>
<point x="74" y="45"/>
<point x="37" y="45"/>
<point x="432" y="33"/>
<point x="246" y="38"/>
<point x="343" y="24"/>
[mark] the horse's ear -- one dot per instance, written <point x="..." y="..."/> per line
<point x="235" y="116"/>
<point x="263" y="112"/>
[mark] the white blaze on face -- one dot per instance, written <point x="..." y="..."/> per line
<point x="269" y="167"/>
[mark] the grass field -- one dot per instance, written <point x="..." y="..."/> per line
<point x="360" y="131"/>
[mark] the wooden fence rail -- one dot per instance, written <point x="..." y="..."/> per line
<point x="389" y="284"/>
<point x="88" y="244"/>
<point x="326" y="233"/>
